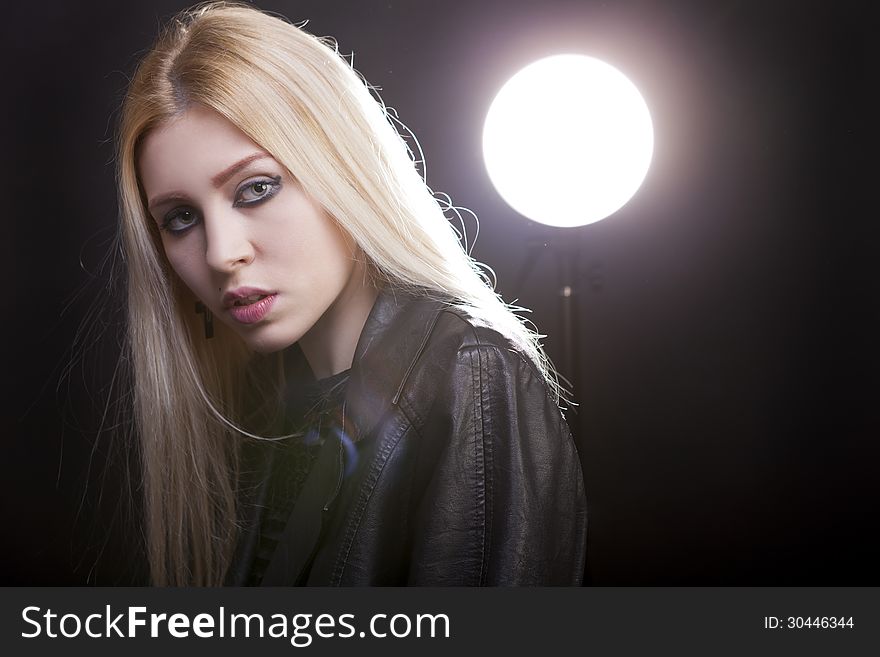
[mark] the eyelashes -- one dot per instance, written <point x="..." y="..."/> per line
<point x="179" y="220"/>
<point x="250" y="193"/>
<point x="260" y="190"/>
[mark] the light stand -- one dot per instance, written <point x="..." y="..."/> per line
<point x="564" y="246"/>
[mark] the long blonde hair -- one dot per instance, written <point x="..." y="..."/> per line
<point x="295" y="96"/>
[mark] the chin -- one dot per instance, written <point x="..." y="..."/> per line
<point x="265" y="342"/>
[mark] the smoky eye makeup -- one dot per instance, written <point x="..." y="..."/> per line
<point x="256" y="190"/>
<point x="251" y="192"/>
<point x="179" y="220"/>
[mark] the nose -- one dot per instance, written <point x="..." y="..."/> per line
<point x="228" y="245"/>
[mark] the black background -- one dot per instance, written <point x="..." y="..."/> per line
<point x="728" y="313"/>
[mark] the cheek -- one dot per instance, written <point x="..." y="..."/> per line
<point x="313" y="243"/>
<point x="331" y="245"/>
<point x="330" y="257"/>
<point x="186" y="266"/>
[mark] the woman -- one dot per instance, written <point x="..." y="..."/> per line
<point x="326" y="390"/>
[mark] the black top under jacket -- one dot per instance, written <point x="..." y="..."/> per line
<point x="451" y="465"/>
<point x="314" y="415"/>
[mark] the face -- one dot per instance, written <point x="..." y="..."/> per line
<point x="242" y="234"/>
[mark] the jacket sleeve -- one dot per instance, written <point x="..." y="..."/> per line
<point x="504" y="503"/>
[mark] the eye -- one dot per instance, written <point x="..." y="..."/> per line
<point x="256" y="191"/>
<point x="179" y="220"/>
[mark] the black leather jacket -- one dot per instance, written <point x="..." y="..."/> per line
<point x="464" y="471"/>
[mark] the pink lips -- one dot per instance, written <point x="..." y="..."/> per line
<point x="250" y="313"/>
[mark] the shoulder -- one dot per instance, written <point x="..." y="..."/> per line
<point x="458" y="334"/>
<point x="467" y="359"/>
<point x="409" y="325"/>
<point x="472" y="329"/>
<point x="419" y="350"/>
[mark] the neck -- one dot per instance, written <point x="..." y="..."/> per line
<point x="330" y="344"/>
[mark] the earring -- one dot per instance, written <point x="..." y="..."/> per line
<point x="208" y="319"/>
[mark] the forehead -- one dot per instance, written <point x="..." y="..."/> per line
<point x="195" y="145"/>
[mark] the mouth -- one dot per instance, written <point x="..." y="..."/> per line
<point x="244" y="296"/>
<point x="249" y="300"/>
<point x="249" y="305"/>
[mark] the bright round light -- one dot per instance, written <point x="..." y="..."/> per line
<point x="568" y="140"/>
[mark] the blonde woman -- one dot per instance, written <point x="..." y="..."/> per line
<point x="326" y="391"/>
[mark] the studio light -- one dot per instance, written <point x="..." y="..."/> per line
<point x="568" y="140"/>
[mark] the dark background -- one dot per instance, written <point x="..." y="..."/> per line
<point x="728" y="313"/>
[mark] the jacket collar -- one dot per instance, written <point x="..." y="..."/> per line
<point x="394" y="336"/>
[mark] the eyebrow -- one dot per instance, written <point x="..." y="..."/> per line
<point x="217" y="181"/>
